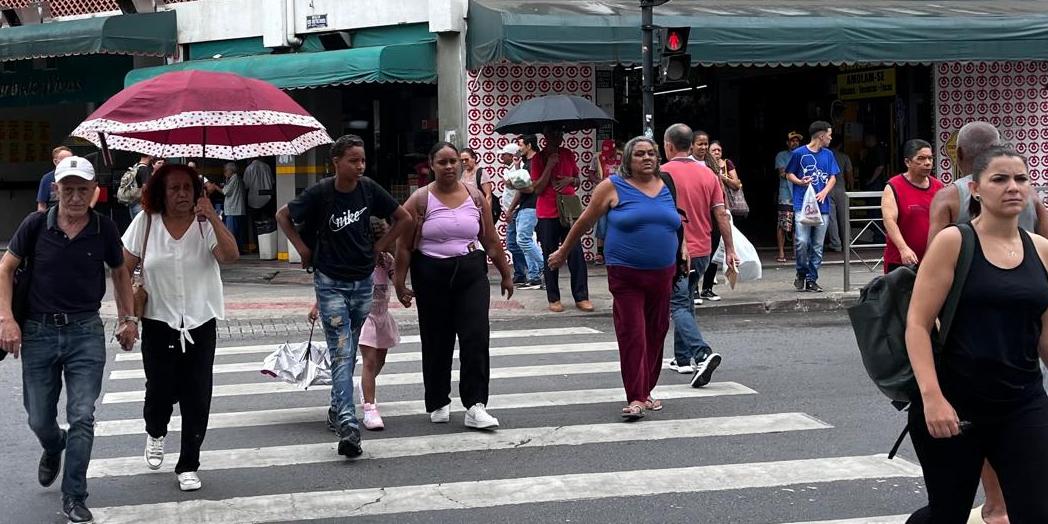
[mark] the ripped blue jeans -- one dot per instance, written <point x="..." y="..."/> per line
<point x="344" y="306"/>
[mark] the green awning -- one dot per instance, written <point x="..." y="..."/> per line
<point x="153" y="34"/>
<point x="393" y="63"/>
<point x="754" y="32"/>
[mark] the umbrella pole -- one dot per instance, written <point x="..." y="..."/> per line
<point x="203" y="155"/>
<point x="107" y="156"/>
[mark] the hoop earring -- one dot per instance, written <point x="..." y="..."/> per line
<point x="977" y="198"/>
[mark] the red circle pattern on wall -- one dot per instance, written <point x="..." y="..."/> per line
<point x="495" y="89"/>
<point x="1016" y="102"/>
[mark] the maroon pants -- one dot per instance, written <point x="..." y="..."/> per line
<point x="642" y="317"/>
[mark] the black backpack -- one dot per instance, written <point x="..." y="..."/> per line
<point x="496" y="203"/>
<point x="879" y="323"/>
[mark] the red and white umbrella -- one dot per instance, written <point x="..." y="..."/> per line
<point x="203" y="114"/>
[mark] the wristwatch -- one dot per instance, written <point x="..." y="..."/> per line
<point x="129" y="318"/>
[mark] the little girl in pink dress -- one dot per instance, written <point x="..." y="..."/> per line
<point x="378" y="334"/>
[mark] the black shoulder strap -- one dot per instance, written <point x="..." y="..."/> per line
<point x="479" y="176"/>
<point x="34" y="233"/>
<point x="668" y="180"/>
<point x="960" y="275"/>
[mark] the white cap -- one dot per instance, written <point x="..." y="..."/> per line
<point x="510" y="149"/>
<point x="74" y="166"/>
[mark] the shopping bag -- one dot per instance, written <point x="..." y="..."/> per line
<point x="748" y="263"/>
<point x="303" y="364"/>
<point x="811" y="215"/>
<point x="518" y="178"/>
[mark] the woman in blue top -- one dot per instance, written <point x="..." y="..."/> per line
<point x="641" y="252"/>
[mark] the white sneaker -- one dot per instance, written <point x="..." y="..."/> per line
<point x="188" y="481"/>
<point x="154" y="452"/>
<point x="686" y="369"/>
<point x="441" y="416"/>
<point x="477" y="417"/>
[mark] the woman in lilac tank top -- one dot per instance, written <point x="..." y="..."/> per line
<point x="640" y="250"/>
<point x="447" y="256"/>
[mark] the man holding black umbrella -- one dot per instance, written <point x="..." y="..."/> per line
<point x="555" y="172"/>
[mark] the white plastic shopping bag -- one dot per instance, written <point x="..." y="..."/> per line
<point x="748" y="263"/>
<point x="518" y="178"/>
<point x="811" y="215"/>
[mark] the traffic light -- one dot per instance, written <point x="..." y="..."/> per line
<point x="676" y="62"/>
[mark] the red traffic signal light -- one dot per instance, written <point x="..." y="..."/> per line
<point x="673" y="42"/>
<point x="676" y="40"/>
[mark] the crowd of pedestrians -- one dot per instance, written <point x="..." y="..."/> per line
<point x="982" y="409"/>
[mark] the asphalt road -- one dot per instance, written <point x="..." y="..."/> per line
<point x="791" y="430"/>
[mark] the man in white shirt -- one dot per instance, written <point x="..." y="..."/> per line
<point x="508" y="159"/>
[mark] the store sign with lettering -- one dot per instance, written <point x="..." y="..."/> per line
<point x="866" y="84"/>
<point x="316" y="21"/>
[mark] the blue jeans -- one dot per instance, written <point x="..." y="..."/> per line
<point x="134" y="209"/>
<point x="520" y="266"/>
<point x="235" y="225"/>
<point x="526" y="223"/>
<point x="76" y="351"/>
<point x="687" y="337"/>
<point x="807" y="242"/>
<point x="344" y="306"/>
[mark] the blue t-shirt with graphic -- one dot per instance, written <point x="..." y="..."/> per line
<point x="820" y="166"/>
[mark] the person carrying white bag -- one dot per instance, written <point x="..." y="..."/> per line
<point x="813" y="171"/>
<point x="747" y="266"/>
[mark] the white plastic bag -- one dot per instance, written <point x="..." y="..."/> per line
<point x="811" y="215"/>
<point x="518" y="178"/>
<point x="749" y="264"/>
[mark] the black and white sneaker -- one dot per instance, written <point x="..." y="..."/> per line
<point x="698" y="301"/>
<point x="683" y="370"/>
<point x="812" y="287"/>
<point x="798" y="283"/>
<point x="708" y="294"/>
<point x="704" y="370"/>
<point x="76" y="511"/>
<point x="532" y="284"/>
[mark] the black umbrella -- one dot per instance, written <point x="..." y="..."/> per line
<point x="567" y="112"/>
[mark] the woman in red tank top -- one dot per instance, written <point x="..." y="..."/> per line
<point x="906" y="205"/>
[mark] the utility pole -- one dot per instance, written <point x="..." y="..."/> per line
<point x="648" y="65"/>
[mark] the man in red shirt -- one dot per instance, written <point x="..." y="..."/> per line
<point x="700" y="196"/>
<point x="554" y="171"/>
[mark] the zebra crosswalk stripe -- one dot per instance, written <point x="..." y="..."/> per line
<point x="411" y="356"/>
<point x="468" y="441"/>
<point x="393" y="379"/>
<point x="407" y="339"/>
<point x="305" y="415"/>
<point x="502" y="492"/>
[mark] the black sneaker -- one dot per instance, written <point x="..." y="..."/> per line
<point x="812" y="287"/>
<point x="50" y="465"/>
<point x="798" y="283"/>
<point x="349" y="445"/>
<point x="708" y="294"/>
<point x="533" y="284"/>
<point x="77" y="512"/>
<point x="519" y="281"/>
<point x="332" y="422"/>
<point x="704" y="370"/>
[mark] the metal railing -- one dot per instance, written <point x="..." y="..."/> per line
<point x="870" y="228"/>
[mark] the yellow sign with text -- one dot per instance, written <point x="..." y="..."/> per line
<point x="866" y="84"/>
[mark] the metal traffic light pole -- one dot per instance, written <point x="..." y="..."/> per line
<point x="648" y="65"/>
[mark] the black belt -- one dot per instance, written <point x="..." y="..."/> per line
<point x="61" y="319"/>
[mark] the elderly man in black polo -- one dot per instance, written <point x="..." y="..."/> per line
<point x="61" y="334"/>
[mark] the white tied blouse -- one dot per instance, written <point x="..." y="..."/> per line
<point x="182" y="276"/>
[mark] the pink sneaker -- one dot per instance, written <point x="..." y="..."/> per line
<point x="372" y="420"/>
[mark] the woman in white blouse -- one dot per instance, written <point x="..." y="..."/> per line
<point x="180" y="241"/>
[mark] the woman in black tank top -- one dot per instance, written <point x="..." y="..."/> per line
<point x="981" y="397"/>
